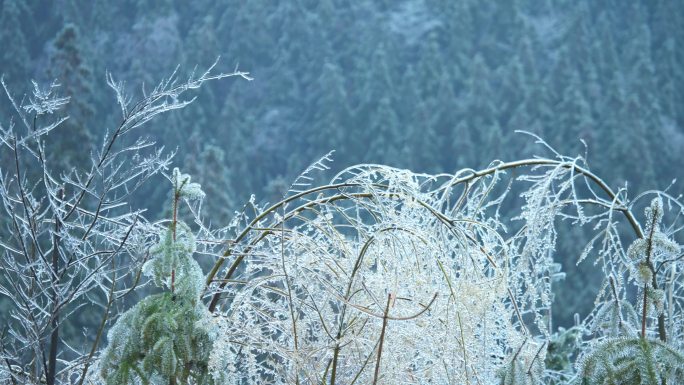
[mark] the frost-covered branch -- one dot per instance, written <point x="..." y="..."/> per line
<point x="69" y="237"/>
<point x="333" y="251"/>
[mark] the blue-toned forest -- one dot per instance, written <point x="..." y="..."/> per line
<point x="339" y="192"/>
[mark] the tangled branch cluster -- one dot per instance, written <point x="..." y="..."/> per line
<point x="381" y="276"/>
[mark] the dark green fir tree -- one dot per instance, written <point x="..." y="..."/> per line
<point x="70" y="70"/>
<point x="165" y="338"/>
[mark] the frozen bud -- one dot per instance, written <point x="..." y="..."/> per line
<point x="184" y="187"/>
<point x="654" y="213"/>
<point x="642" y="274"/>
<point x="637" y="250"/>
<point x="658" y="299"/>
<point x="666" y="245"/>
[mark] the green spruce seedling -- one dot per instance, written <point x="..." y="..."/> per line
<point x="521" y="369"/>
<point x="164" y="339"/>
<point x="627" y="356"/>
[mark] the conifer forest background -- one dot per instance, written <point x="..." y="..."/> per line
<point x="428" y="85"/>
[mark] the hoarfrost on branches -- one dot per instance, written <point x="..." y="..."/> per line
<point x="389" y="276"/>
<point x="69" y="237"/>
<point x="380" y="276"/>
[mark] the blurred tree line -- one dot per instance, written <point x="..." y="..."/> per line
<point x="430" y="85"/>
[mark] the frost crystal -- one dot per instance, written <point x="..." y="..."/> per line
<point x="43" y="101"/>
<point x="184" y="187"/>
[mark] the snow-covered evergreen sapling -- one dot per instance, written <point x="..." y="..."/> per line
<point x="625" y="356"/>
<point x="164" y="339"/>
<point x="520" y="370"/>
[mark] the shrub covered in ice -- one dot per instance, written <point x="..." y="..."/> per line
<point x="166" y="337"/>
